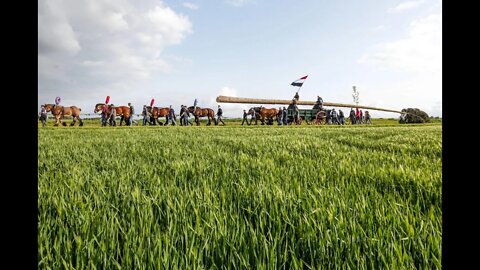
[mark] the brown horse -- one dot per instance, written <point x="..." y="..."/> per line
<point x="159" y="112"/>
<point x="122" y="111"/>
<point x="202" y="112"/>
<point x="263" y="113"/>
<point x="59" y="112"/>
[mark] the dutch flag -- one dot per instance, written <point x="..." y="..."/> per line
<point x="299" y="82"/>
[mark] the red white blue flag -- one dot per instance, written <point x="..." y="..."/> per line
<point x="299" y="82"/>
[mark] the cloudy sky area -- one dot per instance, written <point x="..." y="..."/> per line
<point x="176" y="51"/>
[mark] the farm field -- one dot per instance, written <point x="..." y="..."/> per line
<point x="251" y="197"/>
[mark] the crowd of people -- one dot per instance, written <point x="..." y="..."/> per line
<point x="109" y="115"/>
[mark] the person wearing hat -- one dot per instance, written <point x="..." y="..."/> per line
<point x="43" y="115"/>
<point x="219" y="114"/>
<point x="245" y="114"/>
<point x="113" y="115"/>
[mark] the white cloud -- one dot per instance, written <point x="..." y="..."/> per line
<point x="238" y="3"/>
<point x="406" y="6"/>
<point x="418" y="60"/>
<point x="191" y="6"/>
<point x="379" y="28"/>
<point x="100" y="45"/>
<point x="59" y="35"/>
<point x="420" y="51"/>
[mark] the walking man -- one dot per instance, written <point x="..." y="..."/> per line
<point x="367" y="118"/>
<point x="43" y="115"/>
<point x="335" y="117"/>
<point x="253" y="116"/>
<point x="341" y="117"/>
<point x="145" y="114"/>
<point x="104" y="115"/>
<point x="132" y="112"/>
<point x="296" y="112"/>
<point x="220" y="114"/>
<point x="171" y="117"/>
<point x="285" y="116"/>
<point x="280" y="116"/>
<point x="245" y="120"/>
<point x="352" y="117"/>
<point x="113" y="115"/>
<point x="183" y="116"/>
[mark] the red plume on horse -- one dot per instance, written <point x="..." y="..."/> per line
<point x="122" y="111"/>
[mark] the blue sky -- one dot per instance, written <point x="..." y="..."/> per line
<point x="176" y="51"/>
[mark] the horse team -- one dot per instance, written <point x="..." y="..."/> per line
<point x="156" y="113"/>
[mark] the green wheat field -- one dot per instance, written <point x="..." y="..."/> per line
<point x="240" y="197"/>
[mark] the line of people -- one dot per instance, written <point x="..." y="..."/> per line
<point x="357" y="117"/>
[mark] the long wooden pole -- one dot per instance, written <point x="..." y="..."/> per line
<point x="226" y="99"/>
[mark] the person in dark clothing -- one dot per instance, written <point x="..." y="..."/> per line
<point x="352" y="117"/>
<point x="285" y="116"/>
<point x="280" y="116"/>
<point x="219" y="116"/>
<point x="329" y="117"/>
<point x="362" y="120"/>
<point x="132" y="112"/>
<point x="171" y="117"/>
<point x="104" y="115"/>
<point x="146" y="115"/>
<point x="334" y="117"/>
<point x="341" y="117"/>
<point x="113" y="116"/>
<point x="184" y="116"/>
<point x="296" y="96"/>
<point x="245" y="120"/>
<point x="43" y="115"/>
<point x="367" y="118"/>
<point x="319" y="103"/>
<point x="296" y="112"/>
<point x="253" y="116"/>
